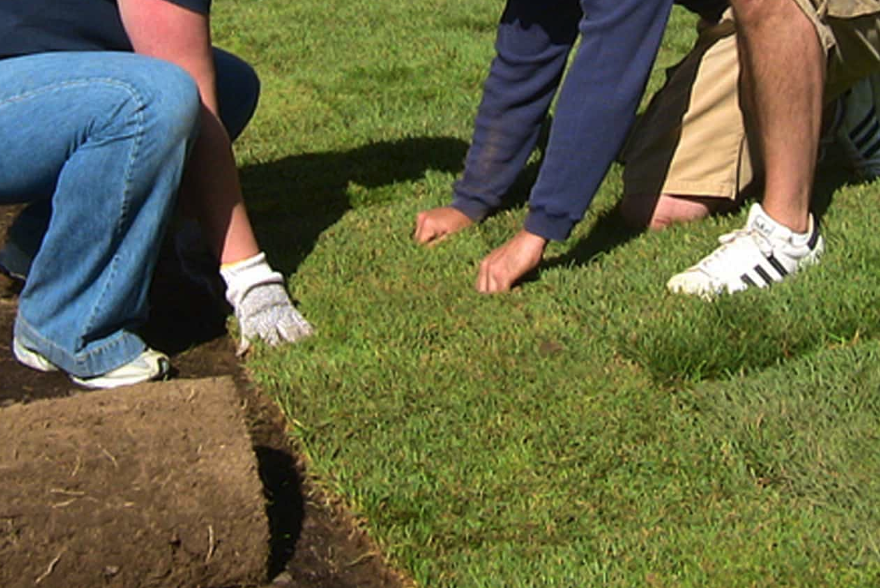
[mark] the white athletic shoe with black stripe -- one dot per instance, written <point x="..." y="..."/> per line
<point x="858" y="130"/>
<point x="761" y="253"/>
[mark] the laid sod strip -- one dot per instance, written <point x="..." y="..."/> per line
<point x="587" y="429"/>
<point x="507" y="440"/>
<point x="808" y="435"/>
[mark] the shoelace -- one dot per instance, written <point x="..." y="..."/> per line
<point x="729" y="241"/>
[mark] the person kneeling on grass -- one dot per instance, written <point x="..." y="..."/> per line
<point x="788" y="50"/>
<point x="108" y="110"/>
<point x="692" y="154"/>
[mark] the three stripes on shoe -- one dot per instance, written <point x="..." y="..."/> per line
<point x="774" y="265"/>
<point x="764" y="274"/>
<point x="866" y="134"/>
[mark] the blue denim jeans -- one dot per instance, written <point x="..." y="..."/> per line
<point x="238" y="90"/>
<point x="104" y="136"/>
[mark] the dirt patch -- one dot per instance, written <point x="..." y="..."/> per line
<point x="313" y="543"/>
<point x="155" y="485"/>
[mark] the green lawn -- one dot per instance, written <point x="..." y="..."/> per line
<point x="587" y="429"/>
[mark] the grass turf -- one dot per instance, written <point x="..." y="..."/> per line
<point x="586" y="429"/>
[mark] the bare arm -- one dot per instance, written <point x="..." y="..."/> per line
<point x="210" y="184"/>
<point x="167" y="31"/>
<point x="210" y="188"/>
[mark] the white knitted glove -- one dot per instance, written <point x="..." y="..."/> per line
<point x="262" y="306"/>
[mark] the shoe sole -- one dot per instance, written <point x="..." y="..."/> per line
<point x="156" y="366"/>
<point x="31" y="359"/>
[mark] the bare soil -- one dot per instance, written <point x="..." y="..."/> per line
<point x="313" y="541"/>
<point x="151" y="486"/>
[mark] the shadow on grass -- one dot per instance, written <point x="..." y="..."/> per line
<point x="831" y="175"/>
<point x="293" y="200"/>
<point x="609" y="232"/>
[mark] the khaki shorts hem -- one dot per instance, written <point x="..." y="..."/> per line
<point x="725" y="191"/>
<point x="823" y="31"/>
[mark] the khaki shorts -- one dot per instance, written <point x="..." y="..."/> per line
<point x="691" y="140"/>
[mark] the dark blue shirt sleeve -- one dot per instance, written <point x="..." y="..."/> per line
<point x="532" y="45"/>
<point x="597" y="104"/>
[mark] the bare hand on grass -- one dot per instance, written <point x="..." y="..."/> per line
<point x="507" y="264"/>
<point x="432" y="226"/>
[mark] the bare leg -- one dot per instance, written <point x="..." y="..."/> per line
<point x="783" y="73"/>
<point x="211" y="191"/>
<point x="782" y="76"/>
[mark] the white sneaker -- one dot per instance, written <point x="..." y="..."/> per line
<point x="32" y="359"/>
<point x="858" y="131"/>
<point x="761" y="253"/>
<point x="149" y="365"/>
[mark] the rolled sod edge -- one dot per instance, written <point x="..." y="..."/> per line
<point x="150" y="485"/>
